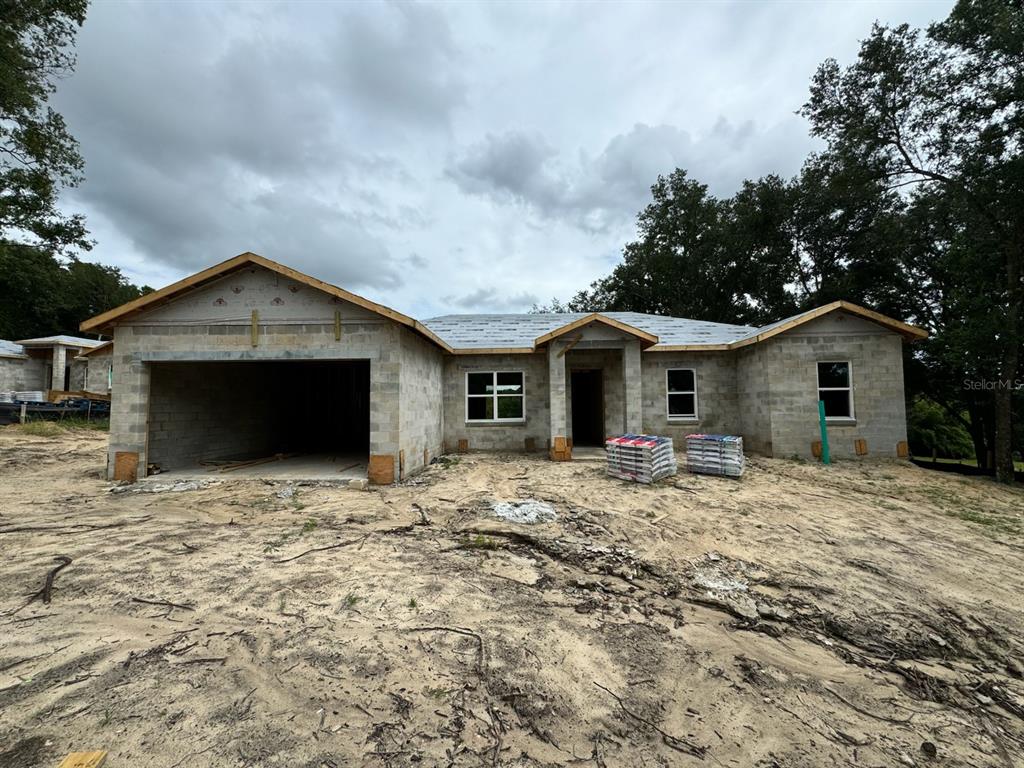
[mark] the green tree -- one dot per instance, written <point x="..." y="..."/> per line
<point x="38" y="156"/>
<point x="41" y="296"/>
<point x="931" y="432"/>
<point x="945" y="109"/>
<point x="31" y="292"/>
<point x="702" y="257"/>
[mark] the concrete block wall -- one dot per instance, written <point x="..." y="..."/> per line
<point x="19" y="374"/>
<point x="877" y="370"/>
<point x="421" y="419"/>
<point x="633" y="378"/>
<point x="96" y="371"/>
<point x="208" y="411"/>
<point x="137" y="346"/>
<point x="79" y="373"/>
<point x="504" y="436"/>
<point x="717" y="403"/>
<point x="609" y="362"/>
<point x="60" y="363"/>
<point x="753" y="399"/>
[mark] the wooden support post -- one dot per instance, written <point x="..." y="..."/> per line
<point x="255" y="327"/>
<point x="24" y="409"/>
<point x="337" y="325"/>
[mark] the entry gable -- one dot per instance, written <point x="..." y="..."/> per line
<point x="295" y="295"/>
<point x="646" y="339"/>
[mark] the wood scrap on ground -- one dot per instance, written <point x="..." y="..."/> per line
<point x="84" y="760"/>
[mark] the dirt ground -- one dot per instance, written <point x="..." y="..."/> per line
<point x="864" y="614"/>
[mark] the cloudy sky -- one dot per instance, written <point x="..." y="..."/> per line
<point x="461" y="157"/>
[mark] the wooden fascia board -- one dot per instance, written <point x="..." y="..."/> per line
<point x="688" y="348"/>
<point x="911" y="332"/>
<point x="101" y="348"/>
<point x="599" y="318"/>
<point x="493" y="351"/>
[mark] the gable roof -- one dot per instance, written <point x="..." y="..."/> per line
<point x="596" y="317"/>
<point x="67" y="341"/>
<point x="107" y="319"/>
<point x="909" y="332"/>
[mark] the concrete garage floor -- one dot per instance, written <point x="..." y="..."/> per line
<point x="308" y="466"/>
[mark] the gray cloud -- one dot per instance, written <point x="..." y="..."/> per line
<point x="602" y="191"/>
<point x="203" y="149"/>
<point x="493" y="300"/>
<point x="437" y="157"/>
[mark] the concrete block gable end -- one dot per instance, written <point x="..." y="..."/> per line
<point x="332" y="371"/>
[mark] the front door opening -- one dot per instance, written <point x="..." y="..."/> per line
<point x="587" y="408"/>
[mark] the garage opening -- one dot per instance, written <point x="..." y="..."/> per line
<point x="308" y="419"/>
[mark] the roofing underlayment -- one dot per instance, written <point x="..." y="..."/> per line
<point x="517" y="331"/>
<point x="68" y="341"/>
<point x="11" y="349"/>
<point x="523" y="331"/>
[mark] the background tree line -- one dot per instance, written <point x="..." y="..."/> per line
<point x="44" y="288"/>
<point x="914" y="208"/>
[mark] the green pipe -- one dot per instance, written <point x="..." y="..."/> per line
<point x="826" y="457"/>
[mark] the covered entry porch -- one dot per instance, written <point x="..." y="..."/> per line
<point x="594" y="383"/>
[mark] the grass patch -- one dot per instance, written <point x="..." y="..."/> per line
<point x="480" y="542"/>
<point x="447" y="462"/>
<point x="41" y="429"/>
<point x="307" y="527"/>
<point x="993" y="524"/>
<point x="47" y="428"/>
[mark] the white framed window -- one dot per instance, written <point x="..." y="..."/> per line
<point x="835" y="389"/>
<point x="681" y="393"/>
<point x="495" y="396"/>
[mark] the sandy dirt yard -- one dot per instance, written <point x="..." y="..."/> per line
<point x="864" y="614"/>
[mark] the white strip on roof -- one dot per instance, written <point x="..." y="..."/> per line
<point x="71" y="341"/>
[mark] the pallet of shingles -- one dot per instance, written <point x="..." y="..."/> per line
<point x="715" y="454"/>
<point x="640" y="458"/>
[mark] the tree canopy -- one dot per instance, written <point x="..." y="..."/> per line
<point x="38" y="156"/>
<point x="41" y="295"/>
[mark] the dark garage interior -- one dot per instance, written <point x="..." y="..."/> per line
<point x="206" y="413"/>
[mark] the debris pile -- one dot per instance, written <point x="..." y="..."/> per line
<point x="640" y="458"/>
<point x="715" y="454"/>
<point x="528" y="511"/>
